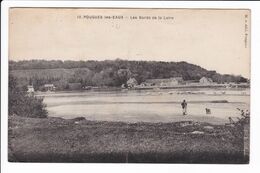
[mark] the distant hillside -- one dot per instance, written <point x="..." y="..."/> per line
<point x="108" y="72"/>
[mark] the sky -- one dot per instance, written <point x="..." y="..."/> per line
<point x="214" y="39"/>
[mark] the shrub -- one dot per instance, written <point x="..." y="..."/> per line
<point x="238" y="126"/>
<point x="21" y="104"/>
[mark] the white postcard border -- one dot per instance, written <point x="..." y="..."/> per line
<point x="65" y="168"/>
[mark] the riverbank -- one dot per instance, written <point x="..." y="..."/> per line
<point x="222" y="87"/>
<point x="79" y="140"/>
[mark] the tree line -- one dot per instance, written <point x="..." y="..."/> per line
<point x="112" y="73"/>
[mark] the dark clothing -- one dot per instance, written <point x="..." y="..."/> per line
<point x="184" y="107"/>
<point x="184" y="104"/>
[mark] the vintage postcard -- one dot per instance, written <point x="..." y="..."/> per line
<point x="125" y="85"/>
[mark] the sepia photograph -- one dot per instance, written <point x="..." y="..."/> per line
<point x="129" y="85"/>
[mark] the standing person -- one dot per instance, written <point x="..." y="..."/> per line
<point x="184" y="107"/>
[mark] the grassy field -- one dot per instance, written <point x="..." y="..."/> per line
<point x="80" y="140"/>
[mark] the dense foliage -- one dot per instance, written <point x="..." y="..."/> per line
<point x="22" y="104"/>
<point x="108" y="72"/>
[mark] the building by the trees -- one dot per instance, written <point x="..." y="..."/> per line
<point x="131" y="83"/>
<point x="206" y="81"/>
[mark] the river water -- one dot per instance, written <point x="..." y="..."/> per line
<point x="148" y="105"/>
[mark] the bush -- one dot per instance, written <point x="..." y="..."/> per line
<point x="21" y="104"/>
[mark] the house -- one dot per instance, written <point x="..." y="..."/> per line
<point x="123" y="85"/>
<point x="30" y="89"/>
<point x="164" y="82"/>
<point x="192" y="82"/>
<point x="49" y="87"/>
<point x="75" y="86"/>
<point x="206" y="81"/>
<point x="87" y="87"/>
<point x="143" y="84"/>
<point x="132" y="82"/>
